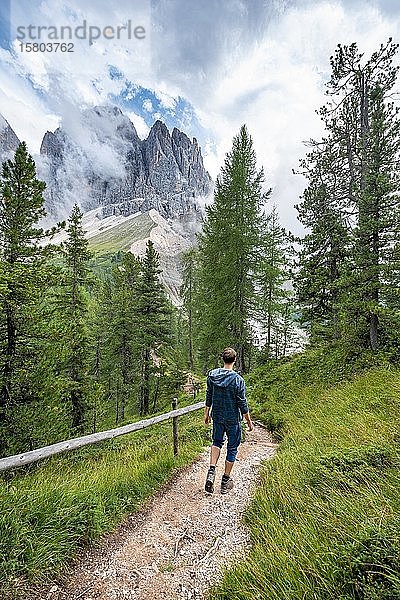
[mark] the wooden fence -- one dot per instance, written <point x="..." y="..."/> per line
<point x="11" y="462"/>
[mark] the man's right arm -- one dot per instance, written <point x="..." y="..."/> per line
<point x="242" y="403"/>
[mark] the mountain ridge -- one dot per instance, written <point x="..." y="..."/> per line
<point x="8" y="139"/>
<point x="98" y="160"/>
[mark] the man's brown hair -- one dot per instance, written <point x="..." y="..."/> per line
<point x="228" y="356"/>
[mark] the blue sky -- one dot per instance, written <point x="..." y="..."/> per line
<point x="204" y="67"/>
<point x="4" y="23"/>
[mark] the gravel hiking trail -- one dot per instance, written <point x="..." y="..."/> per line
<point x="177" y="546"/>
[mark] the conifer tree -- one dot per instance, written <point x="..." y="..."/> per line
<point x="319" y="280"/>
<point x="371" y="138"/>
<point x="73" y="304"/>
<point x="189" y="293"/>
<point x="348" y="259"/>
<point x="122" y="344"/>
<point x="228" y="251"/>
<point x="153" y="329"/>
<point x="274" y="275"/>
<point x="23" y="278"/>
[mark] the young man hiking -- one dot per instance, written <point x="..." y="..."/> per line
<point x="226" y="394"/>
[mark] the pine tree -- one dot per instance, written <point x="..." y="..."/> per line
<point x="371" y="138"/>
<point x="274" y="275"/>
<point x="122" y="344"/>
<point x="352" y="201"/>
<point x="103" y="366"/>
<point x="153" y="328"/>
<point x="23" y="279"/>
<point x="322" y="259"/>
<point x="189" y="294"/>
<point x="72" y="302"/>
<point x="228" y="252"/>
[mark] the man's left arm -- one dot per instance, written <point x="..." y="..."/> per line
<point x="207" y="418"/>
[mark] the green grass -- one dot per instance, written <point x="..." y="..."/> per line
<point x="50" y="510"/>
<point x="122" y="236"/>
<point x="325" y="522"/>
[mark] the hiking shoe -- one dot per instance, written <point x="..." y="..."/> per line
<point x="209" y="487"/>
<point x="226" y="485"/>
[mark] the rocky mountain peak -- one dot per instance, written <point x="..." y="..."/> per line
<point x="101" y="161"/>
<point x="110" y="122"/>
<point x="52" y="144"/>
<point x="9" y="141"/>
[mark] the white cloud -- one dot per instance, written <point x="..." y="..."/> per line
<point x="25" y="111"/>
<point x="166" y="100"/>
<point x="140" y="124"/>
<point x="148" y="105"/>
<point x="276" y="86"/>
<point x="65" y="80"/>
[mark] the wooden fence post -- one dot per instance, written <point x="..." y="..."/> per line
<point x="175" y="426"/>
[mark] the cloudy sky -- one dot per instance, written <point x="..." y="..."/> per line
<point x="205" y="66"/>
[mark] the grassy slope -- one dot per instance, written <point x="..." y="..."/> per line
<point x="325" y="523"/>
<point x="122" y="236"/>
<point x="50" y="510"/>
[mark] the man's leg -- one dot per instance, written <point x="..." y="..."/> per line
<point x="218" y="440"/>
<point x="234" y="433"/>
<point x="214" y="455"/>
<point x="228" y="467"/>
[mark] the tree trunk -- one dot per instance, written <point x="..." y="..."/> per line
<point x="374" y="321"/>
<point x="373" y="332"/>
<point x="5" y="396"/>
<point x="190" y="300"/>
<point x="155" y="400"/>
<point x="145" y="387"/>
<point x="191" y="360"/>
<point x="240" y="359"/>
<point x="116" y="404"/>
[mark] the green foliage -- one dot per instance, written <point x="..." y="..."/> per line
<point x="71" y="303"/>
<point x="349" y="261"/>
<point x="153" y="328"/>
<point x="114" y="338"/>
<point x="274" y="301"/>
<point x="228" y="255"/>
<point x="189" y="292"/>
<point x="24" y="277"/>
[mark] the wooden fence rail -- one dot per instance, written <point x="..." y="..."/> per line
<point x="11" y="462"/>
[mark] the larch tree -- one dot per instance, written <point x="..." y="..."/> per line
<point x="122" y="344"/>
<point x="228" y="253"/>
<point x="273" y="280"/>
<point x="189" y="293"/>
